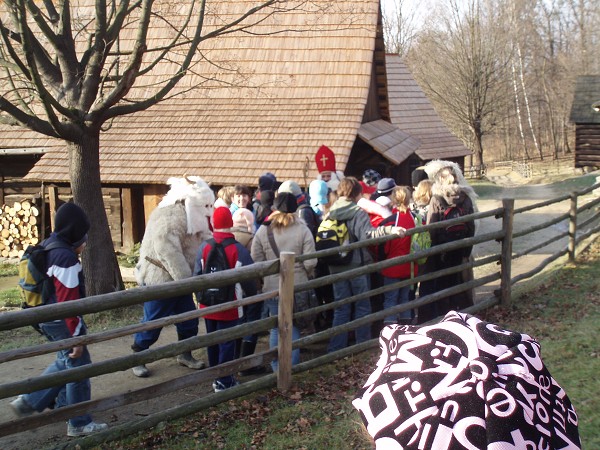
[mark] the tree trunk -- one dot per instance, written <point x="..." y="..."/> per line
<point x="478" y="150"/>
<point x="100" y="266"/>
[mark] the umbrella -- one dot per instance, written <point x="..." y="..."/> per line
<point x="464" y="384"/>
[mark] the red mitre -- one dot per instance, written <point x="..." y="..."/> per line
<point x="325" y="159"/>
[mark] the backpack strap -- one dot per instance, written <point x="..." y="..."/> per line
<point x="272" y="242"/>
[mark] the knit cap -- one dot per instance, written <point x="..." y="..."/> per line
<point x="286" y="203"/>
<point x="222" y="218"/>
<point x="244" y="219"/>
<point x="290" y="187"/>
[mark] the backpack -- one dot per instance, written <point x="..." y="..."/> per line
<point x="216" y="261"/>
<point x="333" y="233"/>
<point x="419" y="241"/>
<point x="457" y="231"/>
<point x="34" y="283"/>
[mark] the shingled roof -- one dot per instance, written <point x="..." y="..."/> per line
<point x="587" y="93"/>
<point x="413" y="113"/>
<point x="300" y="80"/>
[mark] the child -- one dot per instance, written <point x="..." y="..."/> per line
<point x="237" y="255"/>
<point x="398" y="247"/>
<point x="64" y="269"/>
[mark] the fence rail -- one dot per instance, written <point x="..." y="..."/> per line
<point x="581" y="218"/>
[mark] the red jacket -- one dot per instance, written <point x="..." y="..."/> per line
<point x="399" y="247"/>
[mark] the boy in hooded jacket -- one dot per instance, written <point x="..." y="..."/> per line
<point x="65" y="271"/>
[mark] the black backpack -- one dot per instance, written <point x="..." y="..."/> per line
<point x="216" y="261"/>
<point x="457" y="231"/>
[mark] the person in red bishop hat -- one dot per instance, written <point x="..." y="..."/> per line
<point x="325" y="160"/>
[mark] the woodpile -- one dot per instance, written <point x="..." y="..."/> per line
<point x="18" y="228"/>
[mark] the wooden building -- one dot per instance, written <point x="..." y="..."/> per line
<point x="258" y="102"/>
<point x="585" y="114"/>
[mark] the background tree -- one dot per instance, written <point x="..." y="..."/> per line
<point x="69" y="69"/>
<point x="529" y="53"/>
<point x="461" y="62"/>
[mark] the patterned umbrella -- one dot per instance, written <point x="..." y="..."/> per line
<point x="464" y="384"/>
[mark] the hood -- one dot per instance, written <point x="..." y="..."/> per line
<point x="343" y="209"/>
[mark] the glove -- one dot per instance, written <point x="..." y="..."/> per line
<point x="399" y="231"/>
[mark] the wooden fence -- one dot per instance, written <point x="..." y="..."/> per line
<point x="582" y="220"/>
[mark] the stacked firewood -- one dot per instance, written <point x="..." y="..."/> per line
<point x="18" y="228"/>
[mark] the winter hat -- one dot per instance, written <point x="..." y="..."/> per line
<point x="366" y="188"/>
<point x="267" y="182"/>
<point x="371" y="177"/>
<point x="290" y="187"/>
<point x="318" y="190"/>
<point x="417" y="176"/>
<point x="286" y="202"/>
<point x="385" y="186"/>
<point x="243" y="218"/>
<point x="464" y="383"/>
<point x="222" y="218"/>
<point x="71" y="224"/>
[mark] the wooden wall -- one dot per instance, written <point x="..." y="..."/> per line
<point x="123" y="205"/>
<point x="587" y="145"/>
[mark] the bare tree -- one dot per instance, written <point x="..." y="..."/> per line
<point x="461" y="62"/>
<point x="399" y="26"/>
<point x="70" y="69"/>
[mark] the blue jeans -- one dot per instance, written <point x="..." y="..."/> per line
<point x="273" y="307"/>
<point x="342" y="315"/>
<point x="62" y="395"/>
<point x="157" y="309"/>
<point x="223" y="352"/>
<point x="394" y="298"/>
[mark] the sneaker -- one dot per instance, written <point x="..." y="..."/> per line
<point x="219" y="387"/>
<point x="141" y="371"/>
<point x="187" y="360"/>
<point x="84" y="430"/>
<point x="21" y="408"/>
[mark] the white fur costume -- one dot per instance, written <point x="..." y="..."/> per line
<point x="174" y="232"/>
<point x="433" y="167"/>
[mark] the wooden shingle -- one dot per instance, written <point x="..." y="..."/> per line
<point x="412" y="112"/>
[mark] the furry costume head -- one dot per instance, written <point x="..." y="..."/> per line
<point x="198" y="198"/>
<point x="433" y="168"/>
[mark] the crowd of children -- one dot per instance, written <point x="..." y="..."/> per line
<point x="190" y="226"/>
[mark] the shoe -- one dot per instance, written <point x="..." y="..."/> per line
<point x="186" y="359"/>
<point x="84" y="430"/>
<point x="141" y="371"/>
<point x="219" y="387"/>
<point x="21" y="408"/>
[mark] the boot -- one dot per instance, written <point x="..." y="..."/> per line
<point x="247" y="349"/>
<point x="186" y="359"/>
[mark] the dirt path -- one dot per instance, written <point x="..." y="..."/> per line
<point x="107" y="385"/>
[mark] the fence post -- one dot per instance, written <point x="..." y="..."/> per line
<point x="284" y="321"/>
<point x="506" y="257"/>
<point x="572" y="227"/>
